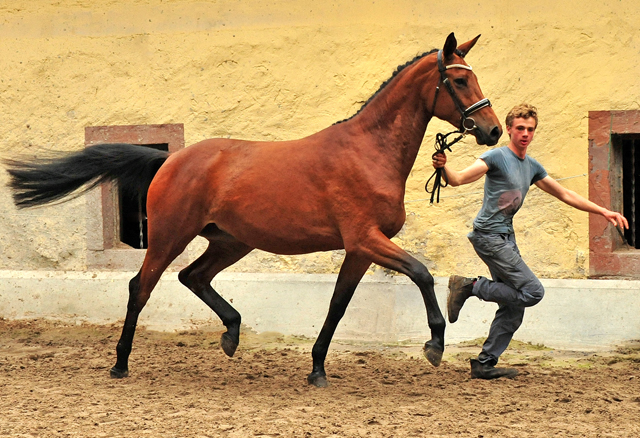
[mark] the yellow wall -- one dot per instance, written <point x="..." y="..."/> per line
<point x="254" y="69"/>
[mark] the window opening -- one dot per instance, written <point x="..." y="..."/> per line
<point x="630" y="146"/>
<point x="133" y="212"/>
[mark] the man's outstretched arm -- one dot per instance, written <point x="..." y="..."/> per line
<point x="571" y="198"/>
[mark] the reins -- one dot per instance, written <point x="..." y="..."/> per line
<point x="440" y="174"/>
<point x="441" y="139"/>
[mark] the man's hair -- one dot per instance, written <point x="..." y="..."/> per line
<point x="524" y="111"/>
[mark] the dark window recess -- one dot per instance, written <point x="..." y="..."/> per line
<point x="133" y="212"/>
<point x="631" y="187"/>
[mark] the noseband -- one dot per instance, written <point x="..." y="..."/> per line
<point x="466" y="123"/>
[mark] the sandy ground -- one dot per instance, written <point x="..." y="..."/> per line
<point x="54" y="381"/>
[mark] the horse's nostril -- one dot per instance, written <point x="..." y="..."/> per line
<point x="495" y="133"/>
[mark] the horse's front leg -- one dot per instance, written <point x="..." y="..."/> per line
<point x="385" y="253"/>
<point x="351" y="272"/>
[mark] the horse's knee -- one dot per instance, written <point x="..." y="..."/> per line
<point x="429" y="280"/>
<point x="423" y="277"/>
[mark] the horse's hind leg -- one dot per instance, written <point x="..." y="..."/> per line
<point x="351" y="272"/>
<point x="157" y="259"/>
<point x="123" y="349"/>
<point x="223" y="251"/>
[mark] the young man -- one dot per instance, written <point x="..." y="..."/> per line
<point x="509" y="173"/>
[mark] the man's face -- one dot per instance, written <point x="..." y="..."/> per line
<point x="521" y="131"/>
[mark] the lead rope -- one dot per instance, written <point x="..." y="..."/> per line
<point x="440" y="174"/>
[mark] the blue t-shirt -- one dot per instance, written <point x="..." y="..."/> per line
<point x="506" y="184"/>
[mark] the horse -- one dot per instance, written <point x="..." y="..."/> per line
<point x="340" y="188"/>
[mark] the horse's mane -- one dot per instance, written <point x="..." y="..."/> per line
<point x="385" y="83"/>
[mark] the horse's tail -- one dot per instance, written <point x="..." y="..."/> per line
<point x="42" y="181"/>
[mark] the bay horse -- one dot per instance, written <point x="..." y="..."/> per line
<point x="340" y="188"/>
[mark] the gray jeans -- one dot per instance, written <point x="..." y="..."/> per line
<point x="514" y="287"/>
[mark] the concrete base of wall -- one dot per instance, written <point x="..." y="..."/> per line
<point x="575" y="314"/>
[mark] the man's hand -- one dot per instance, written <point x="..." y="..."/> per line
<point x="439" y="160"/>
<point x="616" y="218"/>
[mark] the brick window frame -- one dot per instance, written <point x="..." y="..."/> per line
<point x="104" y="249"/>
<point x="608" y="254"/>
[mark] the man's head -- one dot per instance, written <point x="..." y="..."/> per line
<point x="521" y="122"/>
<point x="523" y="111"/>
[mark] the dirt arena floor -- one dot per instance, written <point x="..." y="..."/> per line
<point x="54" y="381"/>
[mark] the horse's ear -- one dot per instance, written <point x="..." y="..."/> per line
<point x="449" y="46"/>
<point x="463" y="49"/>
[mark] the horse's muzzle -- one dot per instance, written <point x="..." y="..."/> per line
<point x="490" y="138"/>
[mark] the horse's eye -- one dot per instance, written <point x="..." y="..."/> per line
<point x="461" y="82"/>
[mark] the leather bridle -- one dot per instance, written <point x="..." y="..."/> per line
<point x="467" y="123"/>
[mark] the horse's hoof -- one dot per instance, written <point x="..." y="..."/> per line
<point x="228" y="344"/>
<point x="319" y="381"/>
<point x="433" y="355"/>
<point x="115" y="373"/>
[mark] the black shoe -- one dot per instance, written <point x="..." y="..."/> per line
<point x="459" y="290"/>
<point x="486" y="371"/>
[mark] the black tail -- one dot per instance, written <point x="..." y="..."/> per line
<point x="42" y="181"/>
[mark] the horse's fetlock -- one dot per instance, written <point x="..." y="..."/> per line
<point x="437" y="325"/>
<point x="122" y="349"/>
<point x="233" y="322"/>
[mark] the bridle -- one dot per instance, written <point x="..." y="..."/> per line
<point x="467" y="124"/>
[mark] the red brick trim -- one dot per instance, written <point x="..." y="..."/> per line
<point x="608" y="255"/>
<point x="105" y="251"/>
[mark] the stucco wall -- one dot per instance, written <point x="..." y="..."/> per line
<point x="282" y="70"/>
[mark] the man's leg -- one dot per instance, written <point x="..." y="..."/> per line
<point x="513" y="287"/>
<point x="514" y="283"/>
<point x="507" y="320"/>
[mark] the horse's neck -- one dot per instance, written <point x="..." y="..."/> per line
<point x="395" y="122"/>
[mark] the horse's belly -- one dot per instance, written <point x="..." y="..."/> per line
<point x="291" y="244"/>
<point x="283" y="235"/>
<point x="291" y="247"/>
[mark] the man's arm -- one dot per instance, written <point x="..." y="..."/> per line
<point x="466" y="176"/>
<point x="571" y="198"/>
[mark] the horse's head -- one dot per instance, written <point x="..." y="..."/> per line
<point x="457" y="97"/>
